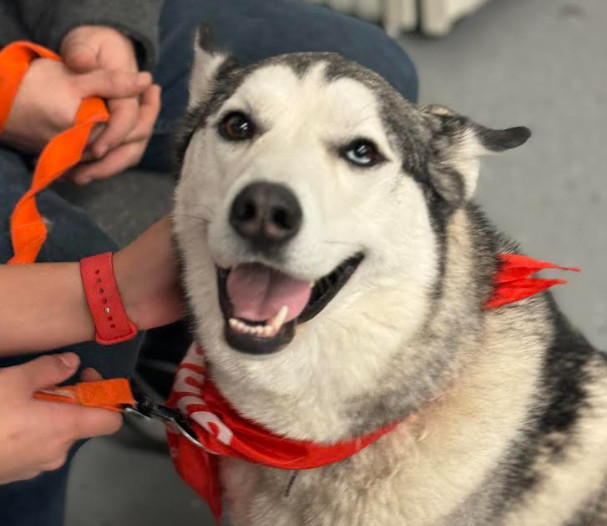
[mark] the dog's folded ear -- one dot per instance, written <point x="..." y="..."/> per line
<point x="456" y="145"/>
<point x="210" y="62"/>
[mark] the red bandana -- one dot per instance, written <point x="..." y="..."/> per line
<point x="221" y="431"/>
<point x="514" y="280"/>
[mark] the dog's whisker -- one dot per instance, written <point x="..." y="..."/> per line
<point x="199" y="207"/>
<point x="337" y="242"/>
<point x="196" y="217"/>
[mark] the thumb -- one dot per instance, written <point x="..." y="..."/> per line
<point x="91" y="422"/>
<point x="79" y="56"/>
<point x="48" y="371"/>
<point x="112" y="84"/>
<point x="90" y="375"/>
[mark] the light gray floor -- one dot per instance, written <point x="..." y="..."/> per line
<point x="542" y="63"/>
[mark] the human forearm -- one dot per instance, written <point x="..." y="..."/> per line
<point x="43" y="306"/>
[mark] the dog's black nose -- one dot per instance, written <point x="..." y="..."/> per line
<point x="266" y="214"/>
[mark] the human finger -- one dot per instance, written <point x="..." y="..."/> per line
<point x="46" y="371"/>
<point x="90" y="375"/>
<point x="79" y="55"/>
<point x="123" y="118"/>
<point x="113" y="163"/>
<point x="112" y="84"/>
<point x="148" y="113"/>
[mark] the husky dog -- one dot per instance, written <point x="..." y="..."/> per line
<point x="337" y="270"/>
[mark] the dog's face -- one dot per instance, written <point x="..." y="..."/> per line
<point x="310" y="208"/>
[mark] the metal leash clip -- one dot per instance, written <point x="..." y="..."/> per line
<point x="144" y="407"/>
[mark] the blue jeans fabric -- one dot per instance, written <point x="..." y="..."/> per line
<point x="252" y="30"/>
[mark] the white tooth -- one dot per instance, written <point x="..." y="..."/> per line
<point x="267" y="331"/>
<point x="277" y="321"/>
<point x="238" y="326"/>
<point x="263" y="331"/>
<point x="312" y="284"/>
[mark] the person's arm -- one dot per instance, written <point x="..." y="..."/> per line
<point x="49" y="21"/>
<point x="43" y="305"/>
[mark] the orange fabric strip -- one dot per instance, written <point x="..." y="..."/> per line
<point x="28" y="231"/>
<point x="111" y="394"/>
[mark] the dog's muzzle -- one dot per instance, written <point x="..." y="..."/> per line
<point x="262" y="305"/>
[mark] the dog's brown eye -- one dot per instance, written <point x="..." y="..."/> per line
<point x="236" y="126"/>
<point x="362" y="153"/>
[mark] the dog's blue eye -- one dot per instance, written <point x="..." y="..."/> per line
<point x="362" y="153"/>
<point x="236" y="126"/>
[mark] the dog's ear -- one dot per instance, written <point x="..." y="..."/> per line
<point x="209" y="63"/>
<point x="456" y="145"/>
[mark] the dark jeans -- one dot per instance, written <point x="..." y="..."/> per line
<point x="252" y="29"/>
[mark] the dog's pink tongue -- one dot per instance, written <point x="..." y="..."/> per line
<point x="257" y="293"/>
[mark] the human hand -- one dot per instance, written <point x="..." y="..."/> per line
<point x="36" y="435"/>
<point x="49" y="97"/>
<point x="123" y="142"/>
<point x="147" y="274"/>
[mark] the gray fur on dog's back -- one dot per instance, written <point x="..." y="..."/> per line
<point x="503" y="412"/>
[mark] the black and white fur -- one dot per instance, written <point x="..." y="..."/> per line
<point x="503" y="412"/>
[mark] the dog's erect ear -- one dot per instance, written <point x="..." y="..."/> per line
<point x="209" y="63"/>
<point x="457" y="143"/>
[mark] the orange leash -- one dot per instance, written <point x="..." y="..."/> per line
<point x="117" y="395"/>
<point x="64" y="151"/>
<point x="114" y="394"/>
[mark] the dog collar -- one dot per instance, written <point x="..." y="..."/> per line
<point x="27" y="228"/>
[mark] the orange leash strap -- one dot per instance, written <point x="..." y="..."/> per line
<point x="64" y="151"/>
<point x="117" y="395"/>
<point x="27" y="228"/>
<point x="114" y="394"/>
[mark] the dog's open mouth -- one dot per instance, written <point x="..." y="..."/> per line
<point x="263" y="306"/>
